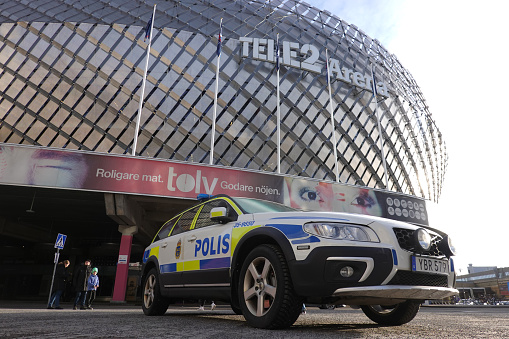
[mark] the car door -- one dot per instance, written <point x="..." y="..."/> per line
<point x="171" y="249"/>
<point x="208" y="249"/>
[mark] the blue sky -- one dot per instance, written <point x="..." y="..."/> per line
<point x="456" y="51"/>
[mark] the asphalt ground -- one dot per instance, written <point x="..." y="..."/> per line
<point x="29" y="320"/>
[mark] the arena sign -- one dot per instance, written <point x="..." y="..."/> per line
<point x="57" y="168"/>
<point x="293" y="52"/>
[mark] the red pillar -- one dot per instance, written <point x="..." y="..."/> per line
<point x="124" y="255"/>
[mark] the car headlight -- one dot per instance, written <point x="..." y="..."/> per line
<point x="447" y="247"/>
<point x="422" y="240"/>
<point x="341" y="231"/>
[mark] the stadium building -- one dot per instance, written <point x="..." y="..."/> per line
<point x="255" y="120"/>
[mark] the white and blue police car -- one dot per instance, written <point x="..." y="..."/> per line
<point x="266" y="260"/>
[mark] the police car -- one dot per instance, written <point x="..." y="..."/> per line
<point x="267" y="259"/>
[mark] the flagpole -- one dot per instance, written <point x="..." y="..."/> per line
<point x="142" y="96"/>
<point x="333" y="125"/>
<point x="375" y="94"/>
<point x="278" y="109"/>
<point x="215" y="94"/>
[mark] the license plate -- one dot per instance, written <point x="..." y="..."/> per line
<point x="430" y="265"/>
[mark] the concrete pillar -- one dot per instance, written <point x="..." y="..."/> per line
<point x="124" y="256"/>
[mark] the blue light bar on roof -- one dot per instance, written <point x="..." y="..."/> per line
<point x="203" y="196"/>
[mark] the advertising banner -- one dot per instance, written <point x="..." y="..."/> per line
<point x="125" y="174"/>
<point x="46" y="167"/>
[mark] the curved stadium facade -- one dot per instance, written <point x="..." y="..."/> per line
<point x="71" y="76"/>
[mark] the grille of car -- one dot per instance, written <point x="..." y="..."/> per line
<point x="405" y="240"/>
<point x="418" y="279"/>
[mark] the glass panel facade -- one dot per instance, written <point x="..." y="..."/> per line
<point x="71" y="76"/>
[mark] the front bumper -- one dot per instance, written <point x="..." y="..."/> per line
<point x="377" y="275"/>
<point x="396" y="292"/>
<point x="317" y="276"/>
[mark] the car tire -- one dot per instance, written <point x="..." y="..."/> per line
<point x="153" y="302"/>
<point x="394" y="315"/>
<point x="236" y="310"/>
<point x="265" y="290"/>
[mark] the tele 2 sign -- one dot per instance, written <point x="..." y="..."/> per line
<point x="293" y="52"/>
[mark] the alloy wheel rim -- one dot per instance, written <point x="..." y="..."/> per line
<point x="149" y="291"/>
<point x="260" y="286"/>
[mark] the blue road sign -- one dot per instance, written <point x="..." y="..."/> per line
<point x="60" y="241"/>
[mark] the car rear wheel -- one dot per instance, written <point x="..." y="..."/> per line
<point x="394" y="315"/>
<point x="266" y="294"/>
<point x="153" y="302"/>
<point x="236" y="310"/>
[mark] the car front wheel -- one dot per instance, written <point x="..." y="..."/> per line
<point x="266" y="294"/>
<point x="394" y="315"/>
<point x="153" y="302"/>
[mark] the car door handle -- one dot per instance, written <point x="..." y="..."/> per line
<point x="192" y="238"/>
<point x="164" y="245"/>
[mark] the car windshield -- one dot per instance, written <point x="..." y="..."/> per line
<point x="260" y="206"/>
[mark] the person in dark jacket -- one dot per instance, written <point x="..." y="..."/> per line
<point x="59" y="284"/>
<point x="80" y="284"/>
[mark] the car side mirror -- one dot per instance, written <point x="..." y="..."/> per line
<point x="219" y="214"/>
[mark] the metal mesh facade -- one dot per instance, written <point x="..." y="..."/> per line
<point x="71" y="74"/>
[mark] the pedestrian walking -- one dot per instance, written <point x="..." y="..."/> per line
<point x="59" y="284"/>
<point x="80" y="283"/>
<point x="92" y="285"/>
<point x="202" y="305"/>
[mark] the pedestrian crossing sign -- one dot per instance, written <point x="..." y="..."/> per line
<point x="60" y="241"/>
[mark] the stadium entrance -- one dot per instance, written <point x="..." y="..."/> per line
<point x="94" y="222"/>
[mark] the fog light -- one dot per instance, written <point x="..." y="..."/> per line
<point x="422" y="240"/>
<point x="447" y="247"/>
<point x="346" y="272"/>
